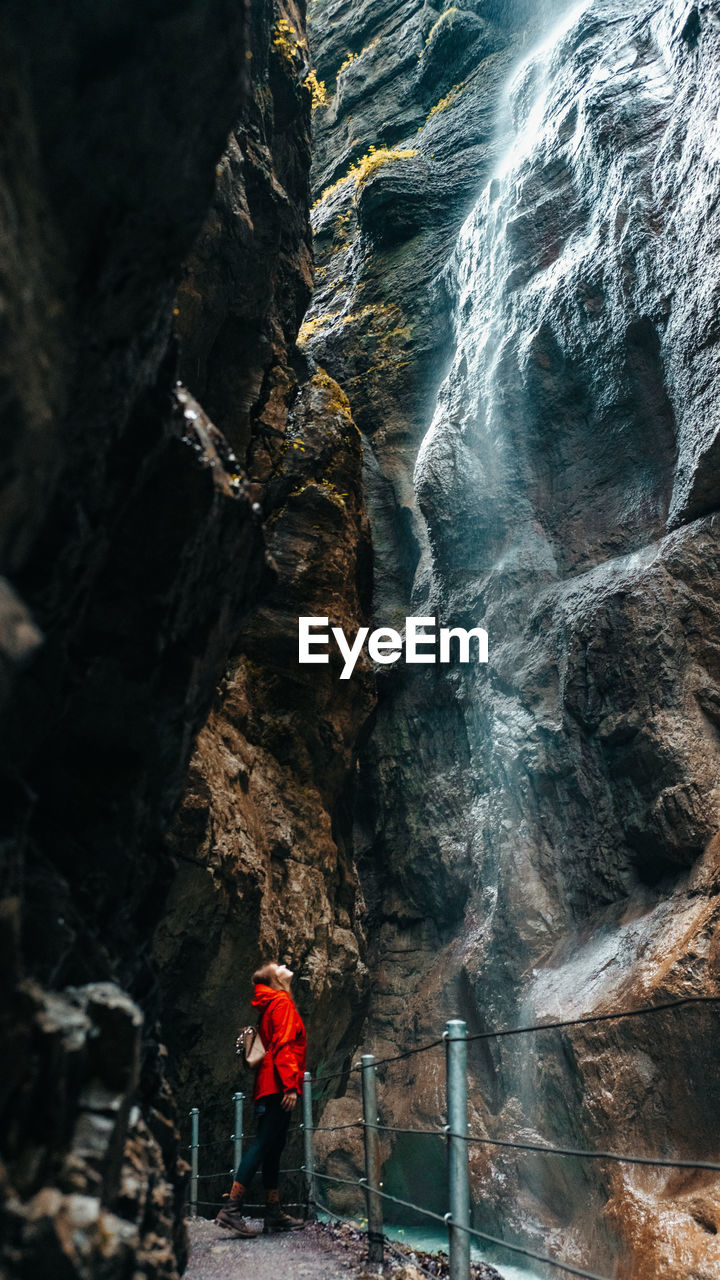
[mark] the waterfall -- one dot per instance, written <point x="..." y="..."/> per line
<point x="519" y="417"/>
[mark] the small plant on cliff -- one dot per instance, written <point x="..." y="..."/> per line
<point x="354" y="57"/>
<point x="445" y="102"/>
<point x="286" y="40"/>
<point x="318" y="92"/>
<point x="445" y="19"/>
<point x="336" y="401"/>
<point x="376" y="158"/>
<point x="363" y="169"/>
<point x="351" y="57"/>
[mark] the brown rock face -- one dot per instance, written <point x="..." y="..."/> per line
<point x="263" y="837"/>
<point x="262" y="842"/>
<point x="509" y="291"/>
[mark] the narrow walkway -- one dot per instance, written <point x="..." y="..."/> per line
<point x="320" y="1252"/>
<point x="312" y="1254"/>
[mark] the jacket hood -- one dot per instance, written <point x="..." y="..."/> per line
<point x="265" y="995"/>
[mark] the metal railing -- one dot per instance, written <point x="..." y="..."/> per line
<point x="235" y="1140"/>
<point x="457" y="1220"/>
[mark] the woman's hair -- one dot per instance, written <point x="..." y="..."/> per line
<point x="265" y="973"/>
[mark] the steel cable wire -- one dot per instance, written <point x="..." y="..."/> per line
<point x="659" y="1161"/>
<point x="401" y="1251"/>
<point x="407" y="1053"/>
<point x="380" y="1062"/>
<point x="335" y="1075"/>
<point x="223" y="1173"/>
<point x="568" y="1268"/>
<point x="481" y="1235"/>
<point x="217" y="1204"/>
<point x="335" y="1128"/>
<point x="539" y="1026"/>
<point x="592" y="1018"/>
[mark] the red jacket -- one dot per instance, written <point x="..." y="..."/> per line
<point x="283" y="1034"/>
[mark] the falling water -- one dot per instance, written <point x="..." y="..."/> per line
<point x="520" y="391"/>
<point x="525" y="279"/>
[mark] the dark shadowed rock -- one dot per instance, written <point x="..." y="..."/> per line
<point x="132" y="541"/>
<point x="454" y="45"/>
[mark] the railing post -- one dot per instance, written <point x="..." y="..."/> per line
<point x="238" y="1099"/>
<point x="456" y="1089"/>
<point x="376" y="1244"/>
<point x="194" y="1145"/>
<point x="308" y="1144"/>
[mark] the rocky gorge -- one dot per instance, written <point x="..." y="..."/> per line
<point x="493" y="396"/>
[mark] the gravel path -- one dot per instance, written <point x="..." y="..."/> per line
<point x="312" y="1254"/>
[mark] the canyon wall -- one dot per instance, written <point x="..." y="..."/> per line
<point x="501" y="407"/>
<point x="517" y="229"/>
<point x="178" y="482"/>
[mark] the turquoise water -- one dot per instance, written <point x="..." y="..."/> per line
<point x="433" y="1242"/>
<point x="437" y="1241"/>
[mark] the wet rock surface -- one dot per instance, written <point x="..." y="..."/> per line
<point x="96" y="1184"/>
<point x="537" y="839"/>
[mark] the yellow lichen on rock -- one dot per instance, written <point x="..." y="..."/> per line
<point x="355" y="57"/>
<point x="445" y="18"/>
<point x="445" y="102"/>
<point x="351" y="57"/>
<point x="318" y="92"/>
<point x="287" y="41"/>
<point x="336" y="401"/>
<point x="377" y="157"/>
<point x="362" y="170"/>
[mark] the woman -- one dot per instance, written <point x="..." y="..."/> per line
<point x="278" y="1085"/>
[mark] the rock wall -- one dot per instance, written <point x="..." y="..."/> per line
<point x="517" y="292"/>
<point x="262" y="841"/>
<point x="177" y="480"/>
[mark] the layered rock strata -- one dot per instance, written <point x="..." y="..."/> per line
<point x="537" y="839"/>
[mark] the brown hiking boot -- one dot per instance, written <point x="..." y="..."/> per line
<point x="231" y="1218"/>
<point x="277" y="1220"/>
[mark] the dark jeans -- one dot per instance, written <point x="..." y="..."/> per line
<point x="272" y="1128"/>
